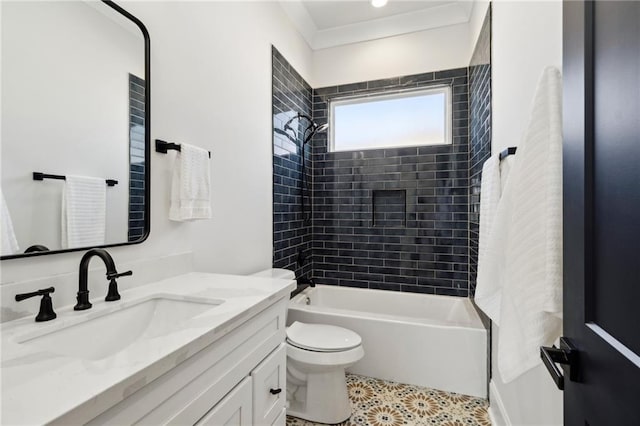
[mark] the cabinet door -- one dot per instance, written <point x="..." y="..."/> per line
<point x="233" y="410"/>
<point x="269" y="387"/>
<point x="281" y="420"/>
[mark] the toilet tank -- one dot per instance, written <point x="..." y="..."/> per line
<point x="284" y="274"/>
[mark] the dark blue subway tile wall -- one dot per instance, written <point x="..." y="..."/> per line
<point x="479" y="135"/>
<point x="421" y="249"/>
<point x="136" y="157"/>
<point x="402" y="219"/>
<point x="291" y="232"/>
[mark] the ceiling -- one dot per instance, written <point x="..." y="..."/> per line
<point x="332" y="23"/>
<point x="330" y="14"/>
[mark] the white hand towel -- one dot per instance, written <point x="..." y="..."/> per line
<point x="488" y="291"/>
<point x="191" y="185"/>
<point x="531" y="302"/>
<point x="9" y="241"/>
<point x="84" y="211"/>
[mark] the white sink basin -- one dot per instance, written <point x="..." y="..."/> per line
<point x="106" y="333"/>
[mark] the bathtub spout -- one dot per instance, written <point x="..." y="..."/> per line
<point x="309" y="282"/>
<point x="303" y="283"/>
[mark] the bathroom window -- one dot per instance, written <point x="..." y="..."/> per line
<point x="412" y="118"/>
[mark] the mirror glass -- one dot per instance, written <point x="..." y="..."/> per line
<point x="73" y="109"/>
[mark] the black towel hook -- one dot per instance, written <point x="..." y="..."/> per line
<point x="507" y="152"/>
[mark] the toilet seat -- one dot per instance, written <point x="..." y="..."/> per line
<point x="322" y="337"/>
<point x="324" y="361"/>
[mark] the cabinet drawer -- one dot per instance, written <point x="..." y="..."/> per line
<point x="233" y="410"/>
<point x="269" y="382"/>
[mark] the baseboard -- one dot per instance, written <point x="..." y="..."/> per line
<point x="497" y="412"/>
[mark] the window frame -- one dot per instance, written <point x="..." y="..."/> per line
<point x="446" y="89"/>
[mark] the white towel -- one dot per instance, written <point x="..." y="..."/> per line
<point x="84" y="212"/>
<point x="191" y="185"/>
<point x="9" y="241"/>
<point x="526" y="257"/>
<point x="487" y="295"/>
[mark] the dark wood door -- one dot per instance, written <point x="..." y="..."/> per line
<point x="601" y="68"/>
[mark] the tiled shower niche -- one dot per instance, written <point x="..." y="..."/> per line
<point x="389" y="208"/>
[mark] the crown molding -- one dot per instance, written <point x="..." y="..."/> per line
<point x="426" y="19"/>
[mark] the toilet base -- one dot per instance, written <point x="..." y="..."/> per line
<point x="323" y="399"/>
<point x="301" y="416"/>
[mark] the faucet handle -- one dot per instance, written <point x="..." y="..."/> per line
<point x="41" y="292"/>
<point x="114" y="275"/>
<point x="113" y="294"/>
<point x="46" y="312"/>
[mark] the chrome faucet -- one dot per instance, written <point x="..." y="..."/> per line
<point x="112" y="274"/>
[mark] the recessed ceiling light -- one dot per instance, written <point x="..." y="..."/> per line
<point x="378" y="3"/>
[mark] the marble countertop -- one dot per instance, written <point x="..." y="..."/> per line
<point x="40" y="386"/>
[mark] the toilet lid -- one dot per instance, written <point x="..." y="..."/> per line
<point x="322" y="337"/>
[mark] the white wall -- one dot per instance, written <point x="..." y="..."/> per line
<point x="527" y="37"/>
<point x="56" y="118"/>
<point x="476" y="20"/>
<point x="210" y="86"/>
<point x="431" y="50"/>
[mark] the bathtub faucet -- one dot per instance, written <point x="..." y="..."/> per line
<point x="303" y="283"/>
<point x="309" y="282"/>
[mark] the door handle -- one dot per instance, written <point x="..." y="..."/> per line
<point x="566" y="355"/>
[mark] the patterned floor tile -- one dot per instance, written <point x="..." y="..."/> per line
<point x="376" y="402"/>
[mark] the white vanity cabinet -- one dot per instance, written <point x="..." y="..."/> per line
<point x="257" y="400"/>
<point x="233" y="410"/>
<point x="239" y="379"/>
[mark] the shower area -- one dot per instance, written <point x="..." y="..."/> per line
<point x="400" y="219"/>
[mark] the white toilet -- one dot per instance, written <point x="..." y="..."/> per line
<point x="317" y="356"/>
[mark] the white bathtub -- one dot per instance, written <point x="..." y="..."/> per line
<point x="426" y="340"/>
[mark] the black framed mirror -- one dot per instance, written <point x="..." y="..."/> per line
<point x="75" y="127"/>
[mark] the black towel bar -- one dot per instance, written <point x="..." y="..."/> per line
<point x="43" y="176"/>
<point x="164" y="146"/>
